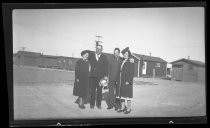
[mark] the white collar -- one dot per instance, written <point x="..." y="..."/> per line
<point x="84" y="60"/>
<point x="98" y="55"/>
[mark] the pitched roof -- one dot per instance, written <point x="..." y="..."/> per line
<point x="50" y="56"/>
<point x="194" y="62"/>
<point x="149" y="58"/>
<point x="29" y="54"/>
<point x="139" y="56"/>
<point x="66" y="57"/>
<point x="56" y="57"/>
<point x="35" y="54"/>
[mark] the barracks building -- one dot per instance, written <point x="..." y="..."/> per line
<point x="144" y="66"/>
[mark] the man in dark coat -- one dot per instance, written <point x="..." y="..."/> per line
<point x="82" y="72"/>
<point x="99" y="70"/>
<point x="114" y="63"/>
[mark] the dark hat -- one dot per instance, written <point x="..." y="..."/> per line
<point x="84" y="52"/>
<point x="125" y="50"/>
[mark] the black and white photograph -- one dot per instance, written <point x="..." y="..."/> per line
<point x="98" y="63"/>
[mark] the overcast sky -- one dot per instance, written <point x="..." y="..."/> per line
<point x="169" y="33"/>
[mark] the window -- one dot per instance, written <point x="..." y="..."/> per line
<point x="157" y="65"/>
<point x="190" y="67"/>
<point x="143" y="66"/>
<point x="176" y="66"/>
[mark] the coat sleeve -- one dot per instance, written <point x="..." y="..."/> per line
<point x="109" y="68"/>
<point x="77" y="69"/>
<point x="131" y="73"/>
<point x="118" y="74"/>
<point x="90" y="57"/>
<point x="106" y="66"/>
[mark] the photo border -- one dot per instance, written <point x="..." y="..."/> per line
<point x="7" y="9"/>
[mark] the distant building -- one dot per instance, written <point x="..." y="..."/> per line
<point x="26" y="58"/>
<point x="149" y="66"/>
<point x="188" y="70"/>
<point x="145" y="66"/>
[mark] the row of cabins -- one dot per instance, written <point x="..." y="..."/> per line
<point x="26" y="58"/>
<point x="147" y="66"/>
<point x="144" y="66"/>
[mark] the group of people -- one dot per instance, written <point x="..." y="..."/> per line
<point x="119" y="71"/>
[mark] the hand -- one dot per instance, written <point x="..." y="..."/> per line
<point x="131" y="60"/>
<point x="126" y="83"/>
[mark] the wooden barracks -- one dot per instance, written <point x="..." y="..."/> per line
<point x="145" y="66"/>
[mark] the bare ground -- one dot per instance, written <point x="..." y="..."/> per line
<point x="152" y="98"/>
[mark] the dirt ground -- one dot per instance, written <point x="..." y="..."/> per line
<point x="152" y="98"/>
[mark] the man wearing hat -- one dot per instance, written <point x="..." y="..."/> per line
<point x="99" y="70"/>
<point x="82" y="72"/>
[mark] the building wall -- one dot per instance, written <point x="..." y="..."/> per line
<point x="71" y="64"/>
<point x="30" y="61"/>
<point x="46" y="62"/>
<point x="136" y="68"/>
<point x="177" y="73"/>
<point x="201" y="74"/>
<point x="190" y="75"/>
<point x="159" y="71"/>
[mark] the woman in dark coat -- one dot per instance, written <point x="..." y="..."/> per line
<point x="81" y="84"/>
<point x="125" y="80"/>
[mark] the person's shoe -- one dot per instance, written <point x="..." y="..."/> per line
<point x="110" y="108"/>
<point x="99" y="107"/>
<point x="119" y="111"/>
<point x="82" y="106"/>
<point x="125" y="109"/>
<point x="122" y="110"/>
<point x="127" y="112"/>
<point x="91" y="107"/>
<point x="116" y="109"/>
<point x="77" y="101"/>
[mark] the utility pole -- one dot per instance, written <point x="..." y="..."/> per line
<point x="97" y="41"/>
<point x="150" y="53"/>
<point x="23" y="48"/>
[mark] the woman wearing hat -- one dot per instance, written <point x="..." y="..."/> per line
<point x="81" y="84"/>
<point x="125" y="80"/>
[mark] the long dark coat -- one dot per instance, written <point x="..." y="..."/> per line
<point x="126" y="74"/>
<point x="81" y="84"/>
<point x="99" y="68"/>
